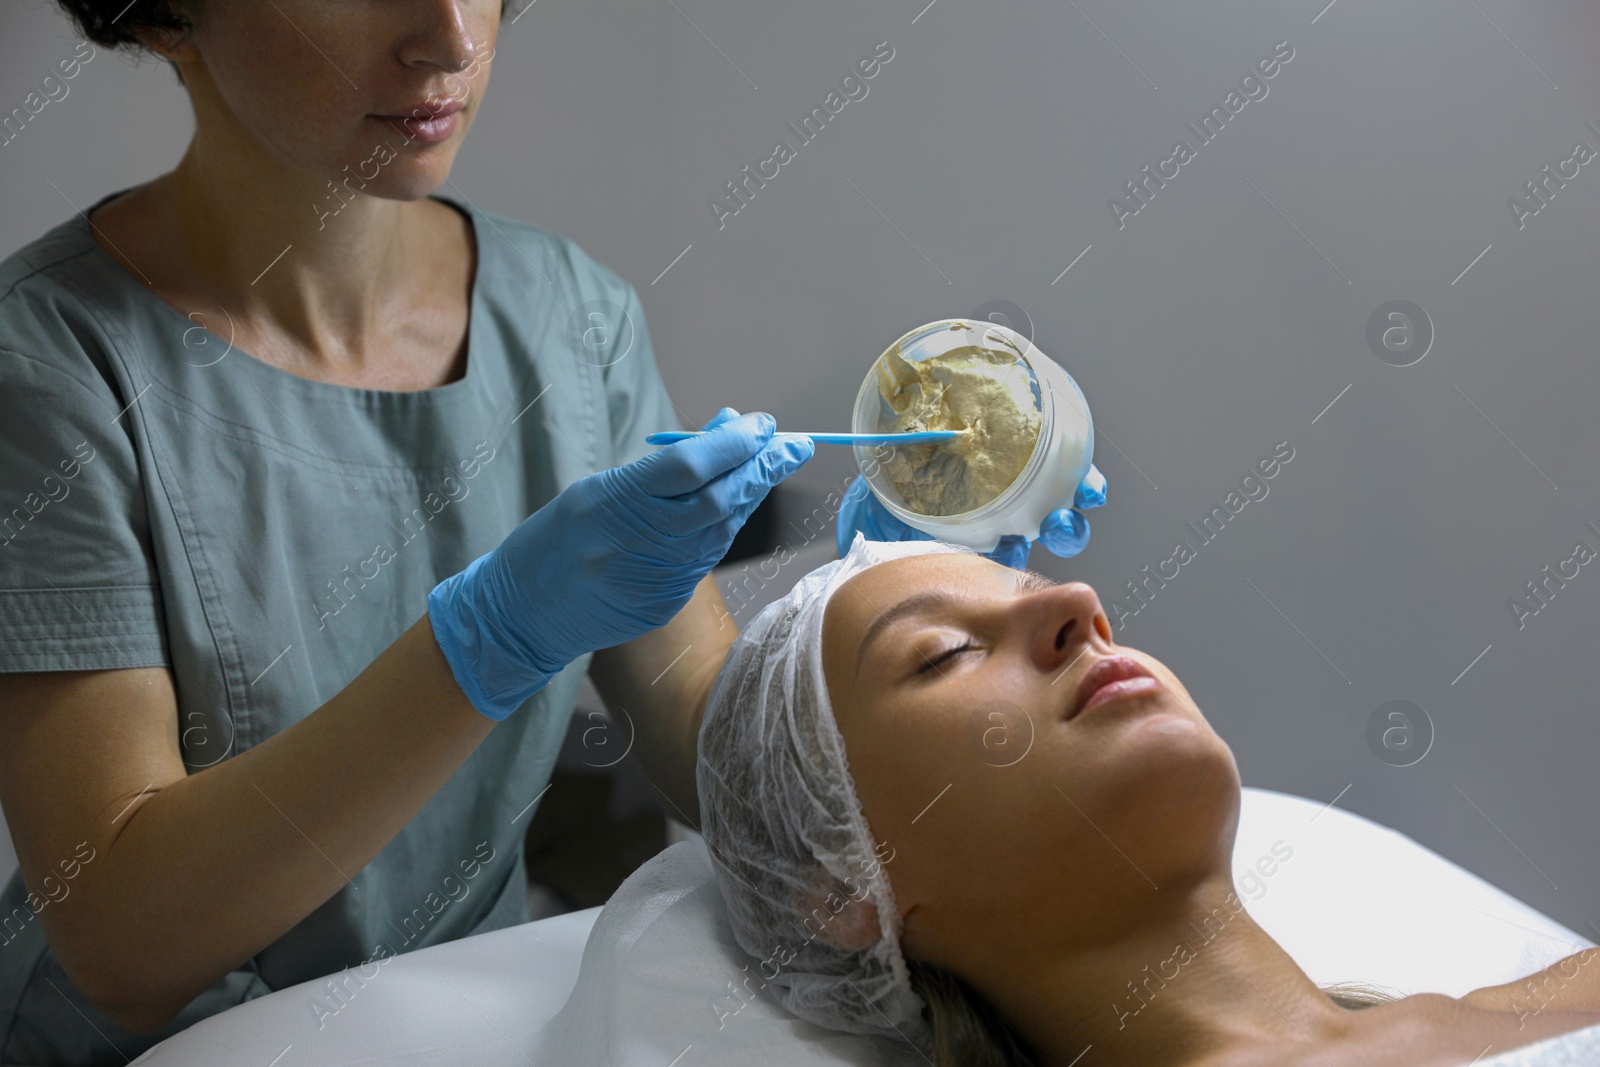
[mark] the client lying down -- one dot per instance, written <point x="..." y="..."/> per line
<point x="895" y="876"/>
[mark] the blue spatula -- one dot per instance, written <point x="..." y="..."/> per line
<point x="919" y="437"/>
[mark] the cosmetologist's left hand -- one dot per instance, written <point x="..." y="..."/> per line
<point x="1064" y="531"/>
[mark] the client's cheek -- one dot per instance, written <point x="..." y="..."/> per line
<point x="964" y="744"/>
<point x="897" y="773"/>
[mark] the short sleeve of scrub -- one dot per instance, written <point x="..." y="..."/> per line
<point x="78" y="587"/>
<point x="167" y="500"/>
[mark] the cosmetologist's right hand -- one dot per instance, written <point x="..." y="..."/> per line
<point x="615" y="555"/>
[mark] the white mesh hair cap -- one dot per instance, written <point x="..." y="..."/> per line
<point x="804" y="881"/>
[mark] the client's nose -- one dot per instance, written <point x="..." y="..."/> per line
<point x="1069" y="617"/>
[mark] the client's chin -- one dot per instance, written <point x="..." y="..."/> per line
<point x="1167" y="790"/>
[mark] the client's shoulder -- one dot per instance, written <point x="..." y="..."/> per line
<point x="1422" y="1030"/>
<point x="1571" y="984"/>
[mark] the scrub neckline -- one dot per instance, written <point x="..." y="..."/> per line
<point x="314" y="386"/>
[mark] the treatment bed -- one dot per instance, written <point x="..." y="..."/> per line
<point x="658" y="983"/>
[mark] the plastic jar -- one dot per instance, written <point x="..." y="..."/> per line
<point x="1061" y="454"/>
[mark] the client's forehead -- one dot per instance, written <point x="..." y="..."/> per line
<point x="864" y="597"/>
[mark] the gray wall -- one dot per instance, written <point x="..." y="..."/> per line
<point x="1224" y="318"/>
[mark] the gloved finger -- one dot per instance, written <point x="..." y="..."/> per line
<point x="686" y="466"/>
<point x="708" y="544"/>
<point x="1012" y="551"/>
<point x="1091" y="491"/>
<point x="852" y="509"/>
<point x="747" y="484"/>
<point x="723" y="415"/>
<point x="863" y="511"/>
<point x="740" y="489"/>
<point x="1064" y="532"/>
<point x="784" y="454"/>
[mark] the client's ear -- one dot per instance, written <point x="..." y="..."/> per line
<point x="839" y="913"/>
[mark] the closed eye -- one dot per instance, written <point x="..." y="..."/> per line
<point x="948" y="653"/>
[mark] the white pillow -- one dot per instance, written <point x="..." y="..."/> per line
<point x="662" y="975"/>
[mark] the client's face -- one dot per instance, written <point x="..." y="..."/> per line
<point x="1014" y="808"/>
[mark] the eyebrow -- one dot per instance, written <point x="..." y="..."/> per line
<point x="1030" y="581"/>
<point x="911" y="605"/>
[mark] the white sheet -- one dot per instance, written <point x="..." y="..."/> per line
<point x="1360" y="901"/>
<point x="1355" y="900"/>
<point x="470" y="1002"/>
<point x="1576" y="1048"/>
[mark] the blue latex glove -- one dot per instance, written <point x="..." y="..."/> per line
<point x="1064" y="531"/>
<point x="614" y="555"/>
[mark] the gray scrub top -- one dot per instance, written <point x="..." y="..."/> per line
<point x="166" y="500"/>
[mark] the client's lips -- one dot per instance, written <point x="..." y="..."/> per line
<point x="1110" y="679"/>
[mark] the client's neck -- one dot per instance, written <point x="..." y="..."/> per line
<point x="1202" y="982"/>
